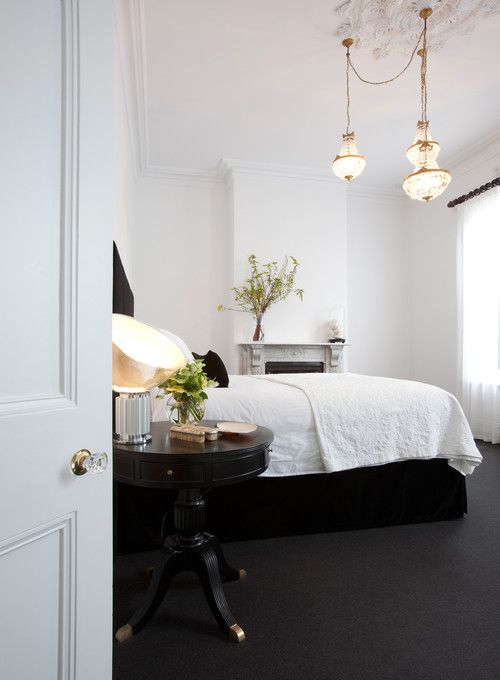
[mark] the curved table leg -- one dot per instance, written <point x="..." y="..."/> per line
<point x="225" y="570"/>
<point x="160" y="580"/>
<point x="208" y="571"/>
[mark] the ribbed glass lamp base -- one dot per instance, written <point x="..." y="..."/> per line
<point x="132" y="418"/>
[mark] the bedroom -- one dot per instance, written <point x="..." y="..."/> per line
<point x="194" y="135"/>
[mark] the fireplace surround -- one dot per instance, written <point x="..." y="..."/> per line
<point x="259" y="358"/>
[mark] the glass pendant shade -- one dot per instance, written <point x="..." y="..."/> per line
<point x="348" y="164"/>
<point x="424" y="149"/>
<point x="427" y="182"/>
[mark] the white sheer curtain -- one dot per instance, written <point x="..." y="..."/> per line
<point x="479" y="281"/>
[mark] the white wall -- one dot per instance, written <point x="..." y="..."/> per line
<point x="191" y="239"/>
<point x="434" y="324"/>
<point x="378" y="284"/>
<point x="303" y="217"/>
<point x="183" y="261"/>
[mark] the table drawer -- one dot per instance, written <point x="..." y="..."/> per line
<point x="123" y="468"/>
<point x="239" y="469"/>
<point x="163" y="472"/>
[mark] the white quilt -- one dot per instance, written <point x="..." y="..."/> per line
<point x="364" y="420"/>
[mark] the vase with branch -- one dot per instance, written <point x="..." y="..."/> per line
<point x="187" y="389"/>
<point x="267" y="284"/>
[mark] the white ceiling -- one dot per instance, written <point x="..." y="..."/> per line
<point x="264" y="81"/>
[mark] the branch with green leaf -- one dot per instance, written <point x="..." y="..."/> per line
<point x="267" y="284"/>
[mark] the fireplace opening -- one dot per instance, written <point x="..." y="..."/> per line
<point x="294" y="367"/>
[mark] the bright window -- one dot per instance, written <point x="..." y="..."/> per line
<point x="480" y="268"/>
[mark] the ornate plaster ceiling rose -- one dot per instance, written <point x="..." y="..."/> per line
<point x="394" y="25"/>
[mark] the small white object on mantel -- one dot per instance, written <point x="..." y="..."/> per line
<point x="255" y="355"/>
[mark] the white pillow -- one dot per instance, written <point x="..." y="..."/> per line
<point x="180" y="344"/>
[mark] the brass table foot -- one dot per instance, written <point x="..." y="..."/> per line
<point x="126" y="632"/>
<point x="236" y="633"/>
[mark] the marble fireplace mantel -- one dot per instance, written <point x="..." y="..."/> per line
<point x="258" y="358"/>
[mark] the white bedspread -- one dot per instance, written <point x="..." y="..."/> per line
<point x="364" y="420"/>
<point x="326" y="422"/>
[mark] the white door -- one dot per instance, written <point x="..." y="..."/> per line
<point x="56" y="79"/>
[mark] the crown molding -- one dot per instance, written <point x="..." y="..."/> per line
<point x="130" y="34"/>
<point x="475" y="154"/>
<point x="376" y="194"/>
<point x="123" y="45"/>
<point x="227" y="169"/>
<point x="141" y="84"/>
<point x="234" y="167"/>
<point x="179" y="175"/>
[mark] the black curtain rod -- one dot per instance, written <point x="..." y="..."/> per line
<point x="475" y="192"/>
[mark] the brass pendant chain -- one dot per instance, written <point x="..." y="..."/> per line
<point x="348" y="93"/>
<point x="347" y="42"/>
<point x="389" y="80"/>
<point x="423" y="79"/>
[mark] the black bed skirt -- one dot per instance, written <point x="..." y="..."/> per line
<point x="383" y="495"/>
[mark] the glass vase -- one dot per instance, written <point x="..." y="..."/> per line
<point x="258" y="334"/>
<point x="187" y="412"/>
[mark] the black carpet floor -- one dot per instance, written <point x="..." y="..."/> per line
<point x="414" y="602"/>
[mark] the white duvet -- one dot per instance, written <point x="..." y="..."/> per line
<point x="326" y="422"/>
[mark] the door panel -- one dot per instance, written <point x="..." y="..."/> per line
<point x="39" y="566"/>
<point x="31" y="80"/>
<point x="56" y="197"/>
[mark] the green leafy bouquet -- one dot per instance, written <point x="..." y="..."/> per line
<point x="188" y="386"/>
<point x="264" y="287"/>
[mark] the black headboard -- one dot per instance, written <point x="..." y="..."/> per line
<point x="123" y="298"/>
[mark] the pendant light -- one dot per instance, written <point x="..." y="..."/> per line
<point x="428" y="180"/>
<point x="348" y="164"/>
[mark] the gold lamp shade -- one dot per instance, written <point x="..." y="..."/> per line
<point x="142" y="356"/>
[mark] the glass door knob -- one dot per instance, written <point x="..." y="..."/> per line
<point x="83" y="461"/>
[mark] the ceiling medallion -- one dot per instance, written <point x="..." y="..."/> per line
<point x="393" y="25"/>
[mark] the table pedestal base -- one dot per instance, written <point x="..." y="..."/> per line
<point x="189" y="550"/>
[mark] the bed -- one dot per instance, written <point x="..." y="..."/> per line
<point x="306" y="489"/>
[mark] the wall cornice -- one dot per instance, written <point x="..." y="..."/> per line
<point x="138" y="44"/>
<point x="473" y="155"/>
<point x="240" y="167"/>
<point x="227" y="169"/>
<point x="376" y="194"/>
<point x="130" y="40"/>
<point x="178" y="175"/>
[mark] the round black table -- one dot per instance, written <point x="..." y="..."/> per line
<point x="190" y="468"/>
